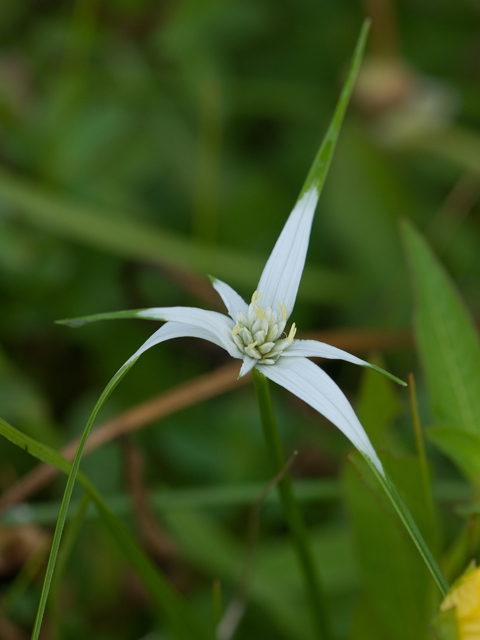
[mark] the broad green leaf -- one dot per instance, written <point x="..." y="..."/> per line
<point x="462" y="447"/>
<point x="446" y="338"/>
<point x="182" y="619"/>
<point x="124" y="236"/>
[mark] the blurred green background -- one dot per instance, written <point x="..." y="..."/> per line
<point x="146" y="143"/>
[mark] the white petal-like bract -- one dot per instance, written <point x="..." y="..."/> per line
<point x="171" y="330"/>
<point x="232" y="300"/>
<point x="312" y="385"/>
<point x="215" y="323"/>
<point x="247" y="366"/>
<point x="282" y="273"/>
<point x="313" y="348"/>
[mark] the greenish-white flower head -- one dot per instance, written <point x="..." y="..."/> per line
<point x="260" y="333"/>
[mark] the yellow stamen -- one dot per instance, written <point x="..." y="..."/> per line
<point x="236" y="330"/>
<point x="283" y="311"/>
<point x="256" y="297"/>
<point x="260" y="312"/>
<point x="291" y="335"/>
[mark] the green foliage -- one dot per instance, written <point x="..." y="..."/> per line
<point x="396" y="585"/>
<point x="146" y="143"/>
<point x="181" y="619"/>
<point x="397" y="591"/>
<point x="447" y="339"/>
<point x="450" y="351"/>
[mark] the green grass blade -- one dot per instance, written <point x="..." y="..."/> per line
<point x="462" y="447"/>
<point x="182" y="619"/>
<point x="72" y="531"/>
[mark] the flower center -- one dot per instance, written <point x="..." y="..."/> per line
<point x="258" y="334"/>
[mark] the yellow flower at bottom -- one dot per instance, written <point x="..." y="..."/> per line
<point x="464" y="599"/>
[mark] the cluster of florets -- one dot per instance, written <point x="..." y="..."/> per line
<point x="258" y="334"/>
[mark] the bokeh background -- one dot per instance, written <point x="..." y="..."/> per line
<point x="147" y="143"/>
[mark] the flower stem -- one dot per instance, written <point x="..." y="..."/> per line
<point x="291" y="510"/>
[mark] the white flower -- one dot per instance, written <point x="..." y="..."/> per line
<point x="255" y="332"/>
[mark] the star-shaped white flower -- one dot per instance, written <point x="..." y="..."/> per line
<point x="255" y="333"/>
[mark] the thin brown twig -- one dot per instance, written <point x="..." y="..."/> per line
<point x="156" y="541"/>
<point x="188" y="394"/>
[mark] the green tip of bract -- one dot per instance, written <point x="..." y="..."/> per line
<point x="388" y="375"/>
<point x="212" y="278"/>
<point x="71" y="322"/>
